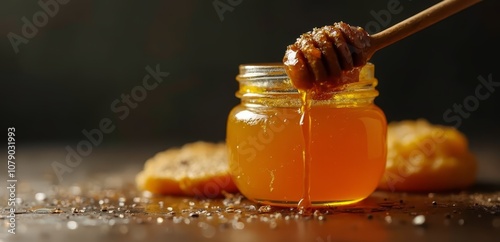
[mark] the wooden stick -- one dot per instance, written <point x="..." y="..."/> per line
<point x="417" y="22"/>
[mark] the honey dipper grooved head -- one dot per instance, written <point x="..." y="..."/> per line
<point x="319" y="57"/>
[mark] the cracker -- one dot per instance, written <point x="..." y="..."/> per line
<point x="198" y="169"/>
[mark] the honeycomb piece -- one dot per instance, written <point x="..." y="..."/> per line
<point x="422" y="157"/>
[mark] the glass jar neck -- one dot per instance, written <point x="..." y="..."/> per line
<point x="269" y="85"/>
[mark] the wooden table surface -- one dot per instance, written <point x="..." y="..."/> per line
<point x="97" y="201"/>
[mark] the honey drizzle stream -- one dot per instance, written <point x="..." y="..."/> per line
<point x="305" y="204"/>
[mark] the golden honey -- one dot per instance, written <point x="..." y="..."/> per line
<point x="347" y="143"/>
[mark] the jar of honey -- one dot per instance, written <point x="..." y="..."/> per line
<point x="347" y="145"/>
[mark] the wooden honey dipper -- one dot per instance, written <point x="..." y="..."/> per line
<point x="319" y="57"/>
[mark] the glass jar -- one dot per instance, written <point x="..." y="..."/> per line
<point x="265" y="141"/>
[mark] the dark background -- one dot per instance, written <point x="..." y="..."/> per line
<point x="66" y="77"/>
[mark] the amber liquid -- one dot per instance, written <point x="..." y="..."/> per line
<point x="340" y="159"/>
<point x="305" y="125"/>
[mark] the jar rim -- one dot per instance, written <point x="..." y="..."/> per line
<point x="276" y="70"/>
<point x="273" y="77"/>
<point x="269" y="83"/>
<point x="257" y="71"/>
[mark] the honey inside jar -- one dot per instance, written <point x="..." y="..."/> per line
<point x="347" y="148"/>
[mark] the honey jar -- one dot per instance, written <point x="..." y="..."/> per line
<point x="347" y="145"/>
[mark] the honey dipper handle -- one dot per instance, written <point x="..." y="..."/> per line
<point x="417" y="22"/>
